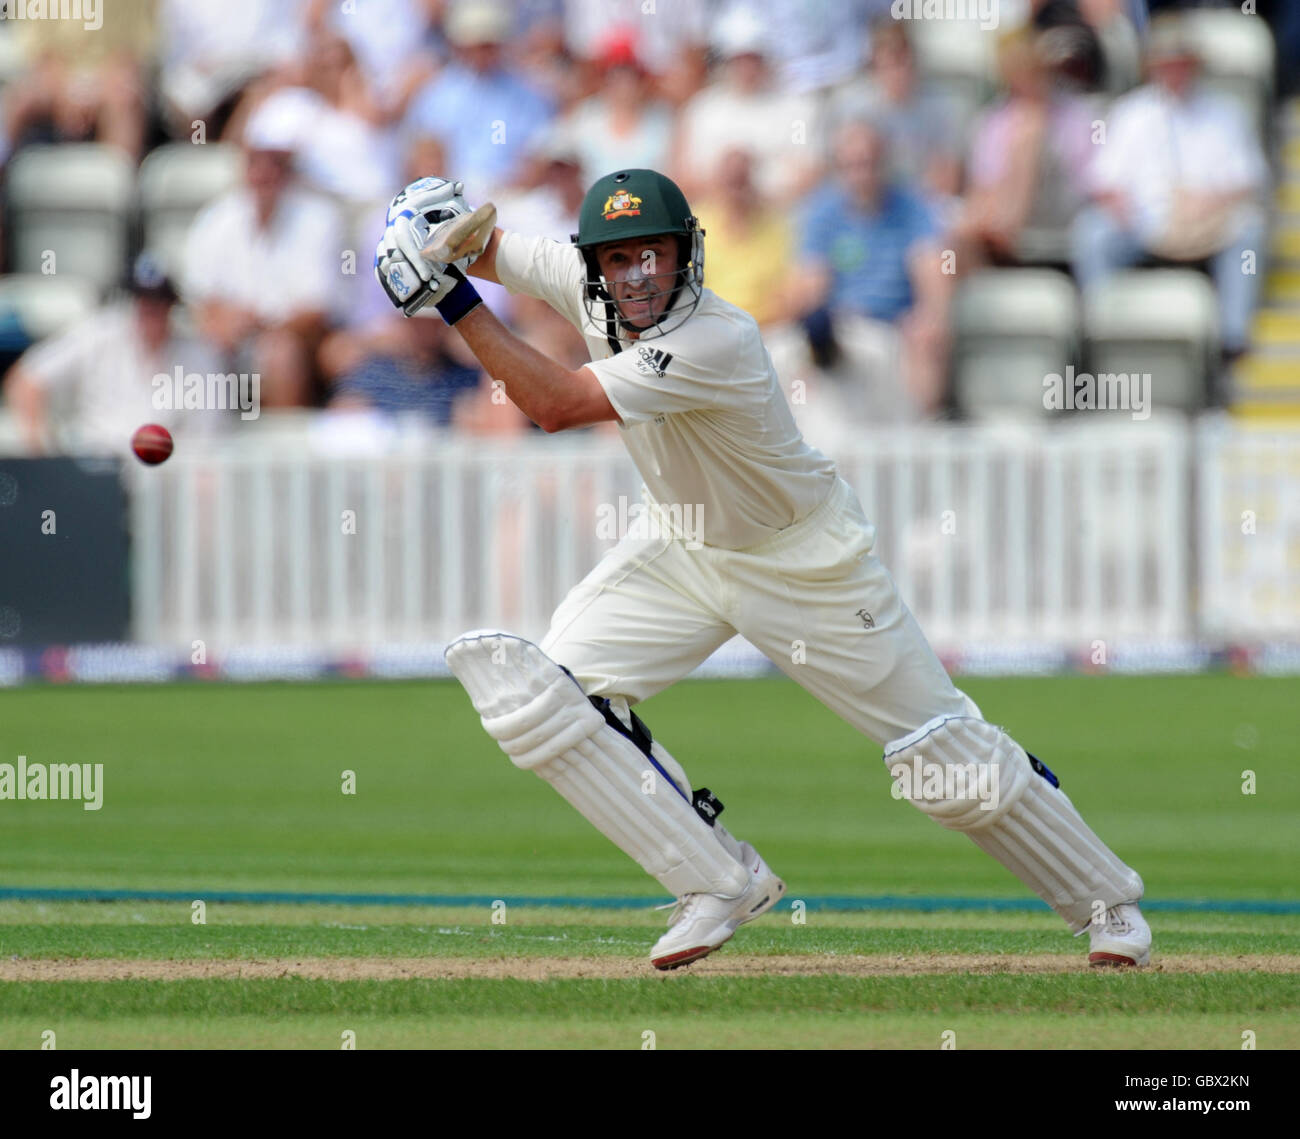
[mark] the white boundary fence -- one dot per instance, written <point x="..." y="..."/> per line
<point x="1248" y="531"/>
<point x="1020" y="535"/>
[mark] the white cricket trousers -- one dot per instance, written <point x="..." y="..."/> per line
<point x="812" y="598"/>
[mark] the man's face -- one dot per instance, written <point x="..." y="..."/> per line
<point x="859" y="156"/>
<point x="481" y="57"/>
<point x="1176" y="73"/>
<point x="641" y="275"/>
<point x="892" y="66"/>
<point x="267" y="173"/>
<point x="153" y="315"/>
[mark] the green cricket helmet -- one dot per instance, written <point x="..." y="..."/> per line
<point x="639" y="203"/>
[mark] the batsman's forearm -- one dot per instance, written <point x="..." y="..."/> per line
<point x="548" y="393"/>
<point x="485" y="264"/>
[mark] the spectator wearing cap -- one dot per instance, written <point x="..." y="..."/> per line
<point x="624" y="126"/>
<point x="670" y="36"/>
<point x="87" y="389"/>
<point x="343" y="143"/>
<point x="486" y="118"/>
<point x="262" y="264"/>
<point x="745" y="108"/>
<point x="1181" y="178"/>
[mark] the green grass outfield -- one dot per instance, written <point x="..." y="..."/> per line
<point x="211" y="789"/>
<point x="182" y="1004"/>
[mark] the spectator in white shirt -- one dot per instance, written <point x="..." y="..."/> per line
<point x="1180" y="177"/>
<point x="87" y="389"/>
<point x="746" y="109"/>
<point x="263" y="265"/>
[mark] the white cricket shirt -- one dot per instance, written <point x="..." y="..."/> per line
<point x="703" y="416"/>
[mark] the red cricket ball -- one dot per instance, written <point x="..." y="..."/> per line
<point x="152" y="444"/>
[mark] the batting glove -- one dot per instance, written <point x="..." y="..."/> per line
<point x="410" y="280"/>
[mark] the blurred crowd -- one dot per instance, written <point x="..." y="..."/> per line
<point x="844" y="192"/>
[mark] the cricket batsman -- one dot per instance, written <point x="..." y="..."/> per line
<point x="781" y="553"/>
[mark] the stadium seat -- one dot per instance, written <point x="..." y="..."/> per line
<point x="1161" y="321"/>
<point x="1237" y="58"/>
<point x="74" y="200"/>
<point x="956" y="57"/>
<point x="176" y="181"/>
<point x="1043" y="245"/>
<point x="44" y="305"/>
<point x="1012" y="328"/>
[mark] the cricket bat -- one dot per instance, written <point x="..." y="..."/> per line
<point x="461" y="236"/>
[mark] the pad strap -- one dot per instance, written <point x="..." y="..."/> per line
<point x="542" y="719"/>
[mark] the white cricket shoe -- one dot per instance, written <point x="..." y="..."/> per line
<point x="700" y="923"/>
<point x="1124" y="938"/>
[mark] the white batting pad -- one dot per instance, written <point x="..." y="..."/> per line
<point x="545" y="723"/>
<point x="970" y="776"/>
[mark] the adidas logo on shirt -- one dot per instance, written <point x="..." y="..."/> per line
<point x="652" y="361"/>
